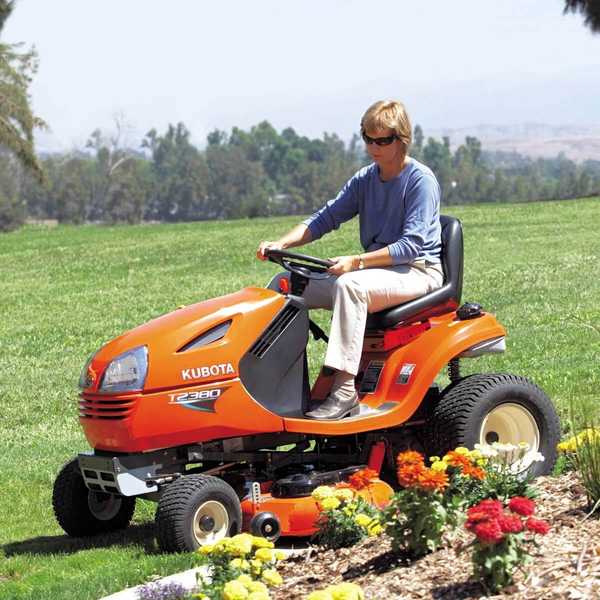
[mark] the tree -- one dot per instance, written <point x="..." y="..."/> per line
<point x="73" y="191"/>
<point x="237" y="187"/>
<point x="416" y="149"/>
<point x="12" y="211"/>
<point x="17" y="122"/>
<point x="126" y="195"/>
<point x="589" y="8"/>
<point x="180" y="176"/>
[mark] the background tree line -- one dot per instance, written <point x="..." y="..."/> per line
<point x="255" y="173"/>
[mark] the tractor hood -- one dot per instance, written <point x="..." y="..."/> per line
<point x="199" y="343"/>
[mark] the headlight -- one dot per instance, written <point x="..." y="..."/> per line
<point x="126" y="372"/>
<point x="86" y="379"/>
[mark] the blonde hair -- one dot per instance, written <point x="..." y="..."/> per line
<point x="388" y="114"/>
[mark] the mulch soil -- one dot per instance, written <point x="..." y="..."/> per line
<point x="565" y="565"/>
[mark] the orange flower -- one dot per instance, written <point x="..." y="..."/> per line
<point x="409" y="457"/>
<point x="361" y="479"/>
<point x="465" y="464"/>
<point x="408" y="474"/>
<point x="458" y="460"/>
<point x="433" y="481"/>
<point x="474" y="472"/>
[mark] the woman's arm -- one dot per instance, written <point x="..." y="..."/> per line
<point x="298" y="236"/>
<point x="376" y="258"/>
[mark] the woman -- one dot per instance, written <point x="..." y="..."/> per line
<point x="397" y="200"/>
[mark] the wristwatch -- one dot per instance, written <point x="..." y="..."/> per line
<point x="361" y="263"/>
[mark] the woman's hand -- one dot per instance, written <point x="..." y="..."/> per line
<point x="260" y="253"/>
<point x="343" y="264"/>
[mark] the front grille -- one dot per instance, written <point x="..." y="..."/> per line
<point x="106" y="408"/>
<point x="273" y="331"/>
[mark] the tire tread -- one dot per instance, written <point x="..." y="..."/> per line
<point x="174" y="501"/>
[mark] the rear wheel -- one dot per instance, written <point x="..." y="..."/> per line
<point x="81" y="512"/>
<point x="196" y="510"/>
<point x="508" y="409"/>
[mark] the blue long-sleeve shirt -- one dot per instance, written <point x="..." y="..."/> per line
<point x="402" y="213"/>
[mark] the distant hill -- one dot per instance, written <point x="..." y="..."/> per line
<point x="578" y="142"/>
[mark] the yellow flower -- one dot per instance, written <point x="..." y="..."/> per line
<point x="244" y="579"/>
<point x="257" y="586"/>
<point x="272" y="577"/>
<point x="239" y="563"/>
<point x="330" y="503"/>
<point x="280" y="555"/>
<point x="433" y="459"/>
<point x="240" y="544"/>
<point x="375" y="530"/>
<point x="322" y="492"/>
<point x="462" y="450"/>
<point x="265" y="554"/>
<point x="344" y="494"/>
<point x="206" y="549"/>
<point x="346" y="591"/>
<point x="259" y="596"/>
<point x="235" y="590"/>
<point x="476" y="455"/>
<point x="199" y="596"/>
<point x="362" y="519"/>
<point x="256" y="565"/>
<point x="439" y="465"/>
<point x="319" y="595"/>
<point x="261" y="542"/>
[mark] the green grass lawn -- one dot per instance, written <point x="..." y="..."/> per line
<point x="67" y="290"/>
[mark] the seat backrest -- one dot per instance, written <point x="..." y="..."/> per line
<point x="440" y="301"/>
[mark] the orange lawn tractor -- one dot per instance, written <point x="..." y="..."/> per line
<point x="202" y="409"/>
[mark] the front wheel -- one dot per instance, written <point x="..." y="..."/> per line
<point x="508" y="409"/>
<point x="82" y="512"/>
<point x="196" y="510"/>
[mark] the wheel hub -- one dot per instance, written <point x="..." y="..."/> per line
<point x="104" y="506"/>
<point x="207" y="523"/>
<point x="512" y="423"/>
<point x="211" y="522"/>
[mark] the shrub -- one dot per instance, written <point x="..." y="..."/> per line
<point x="583" y="450"/>
<point x="239" y="568"/>
<point x="416" y="516"/>
<point x="345" y="518"/>
<point x="506" y="474"/>
<point x="502" y="538"/>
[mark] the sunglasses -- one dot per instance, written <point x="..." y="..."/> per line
<point x="380" y="141"/>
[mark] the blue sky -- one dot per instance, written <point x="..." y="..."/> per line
<point x="314" y="65"/>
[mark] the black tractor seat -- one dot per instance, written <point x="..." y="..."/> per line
<point x="438" y="302"/>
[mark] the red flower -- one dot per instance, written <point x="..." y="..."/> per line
<point x="537" y="526"/>
<point x="475" y="515"/>
<point x="522" y="506"/>
<point x="510" y="523"/>
<point x="488" y="532"/>
<point x="361" y="479"/>
<point x="486" y="509"/>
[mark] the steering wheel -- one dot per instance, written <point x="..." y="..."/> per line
<point x="301" y="264"/>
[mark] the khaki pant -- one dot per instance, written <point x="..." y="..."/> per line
<point x="353" y="295"/>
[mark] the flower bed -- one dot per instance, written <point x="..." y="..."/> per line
<point x="472" y="504"/>
<point x="566" y="562"/>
